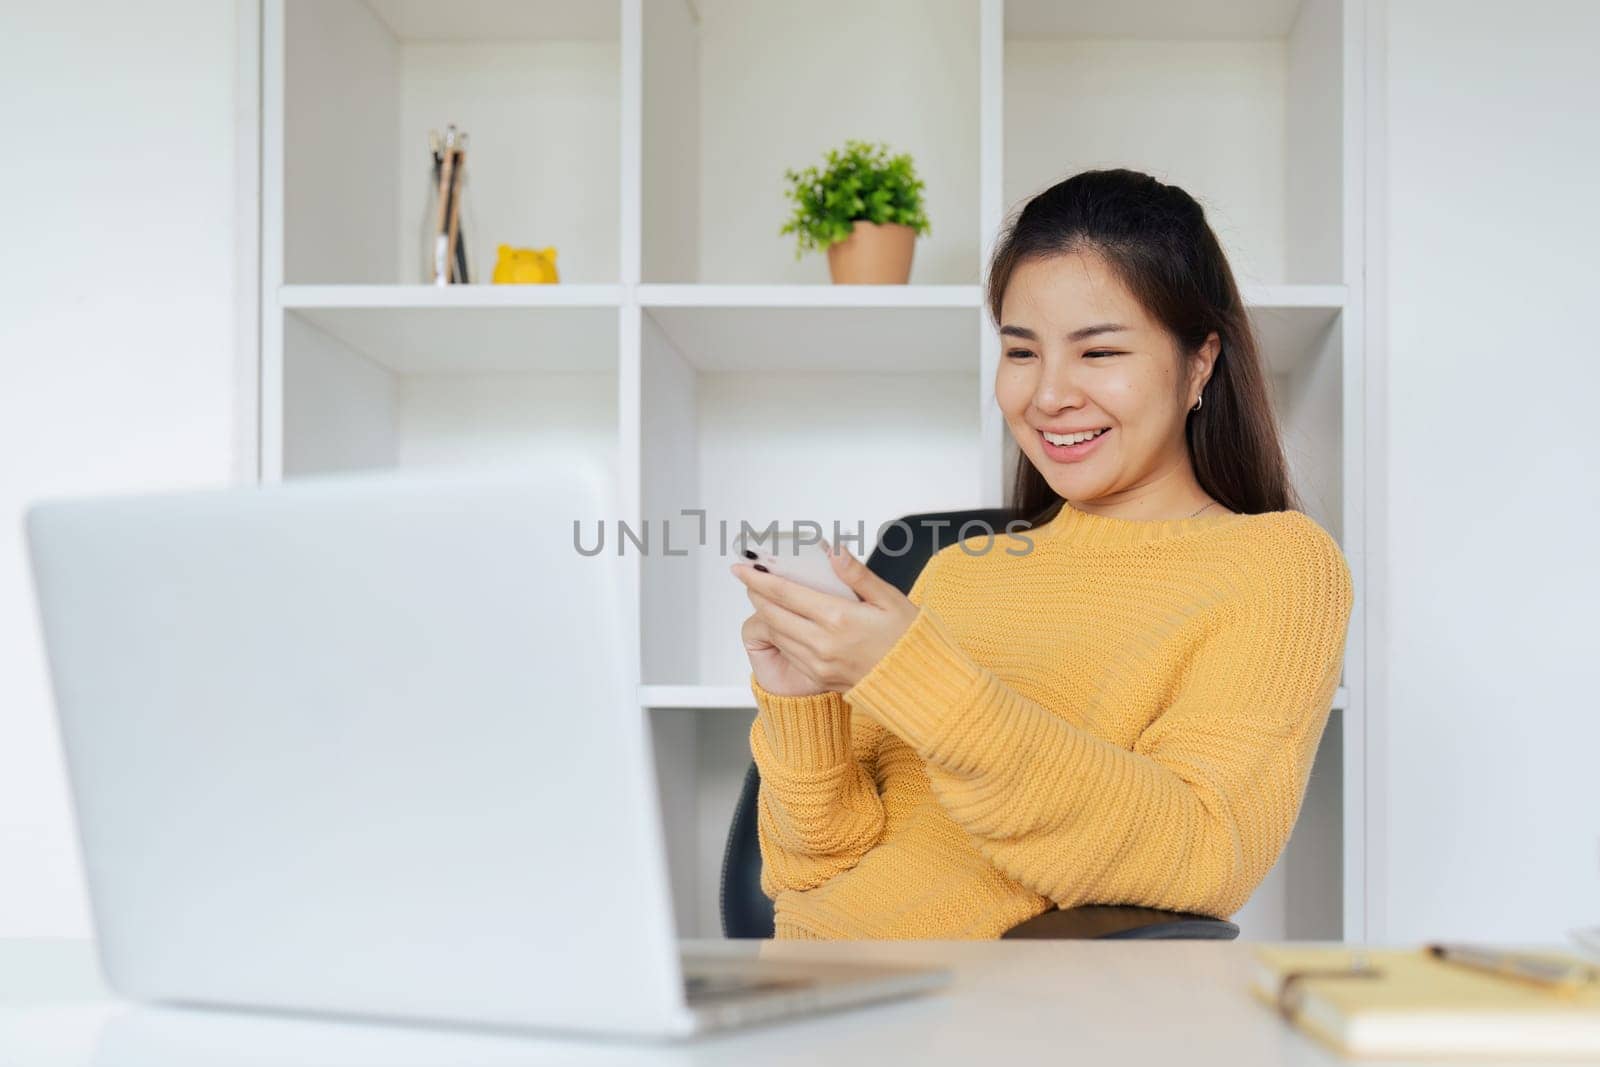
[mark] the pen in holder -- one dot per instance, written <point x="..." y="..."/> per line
<point x="447" y="222"/>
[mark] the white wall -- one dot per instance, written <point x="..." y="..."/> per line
<point x="1491" y="747"/>
<point x="117" y="335"/>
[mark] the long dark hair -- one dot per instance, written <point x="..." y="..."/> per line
<point x="1157" y="240"/>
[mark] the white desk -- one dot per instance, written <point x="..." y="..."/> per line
<point x="1181" y="1003"/>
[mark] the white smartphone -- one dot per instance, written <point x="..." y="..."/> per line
<point x="785" y="554"/>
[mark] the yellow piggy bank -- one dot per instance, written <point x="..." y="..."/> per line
<point x="526" y="266"/>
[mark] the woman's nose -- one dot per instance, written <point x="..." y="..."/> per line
<point x="1057" y="387"/>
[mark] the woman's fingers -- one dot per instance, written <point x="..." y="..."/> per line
<point x="757" y="634"/>
<point x="794" y="634"/>
<point x="752" y="633"/>
<point x="859" y="577"/>
<point x="795" y="598"/>
<point x="773" y="668"/>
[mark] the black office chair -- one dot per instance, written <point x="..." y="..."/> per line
<point x="746" y="909"/>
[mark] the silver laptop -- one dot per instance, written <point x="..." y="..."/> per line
<point x="371" y="745"/>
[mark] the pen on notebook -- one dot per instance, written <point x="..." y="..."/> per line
<point x="1565" y="976"/>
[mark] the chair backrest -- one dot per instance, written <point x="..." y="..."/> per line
<point x="901" y="553"/>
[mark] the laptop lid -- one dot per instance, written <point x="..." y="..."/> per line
<point x="366" y="744"/>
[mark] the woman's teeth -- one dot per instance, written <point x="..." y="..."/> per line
<point x="1072" y="438"/>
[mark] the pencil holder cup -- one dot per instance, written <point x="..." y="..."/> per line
<point x="442" y="262"/>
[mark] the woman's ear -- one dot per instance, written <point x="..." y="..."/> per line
<point x="1204" y="359"/>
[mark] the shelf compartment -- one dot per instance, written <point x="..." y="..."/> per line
<point x="1292" y="323"/>
<point x="357" y="86"/>
<point x="1303" y="348"/>
<point x="701" y="762"/>
<point x="760" y="415"/>
<point x="386" y="387"/>
<point x="1240" y="104"/>
<point x="723" y="121"/>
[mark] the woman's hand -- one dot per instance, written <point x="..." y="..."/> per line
<point x="773" y="671"/>
<point x="826" y="639"/>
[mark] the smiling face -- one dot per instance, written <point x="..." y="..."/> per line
<point x="1078" y="352"/>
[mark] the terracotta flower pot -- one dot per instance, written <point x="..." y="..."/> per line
<point x="873" y="254"/>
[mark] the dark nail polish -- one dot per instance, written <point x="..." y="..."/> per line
<point x="762" y="569"/>
<point x="750" y="555"/>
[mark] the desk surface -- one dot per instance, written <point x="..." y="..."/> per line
<point x="1091" y="1002"/>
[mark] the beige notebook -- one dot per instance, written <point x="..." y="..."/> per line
<point x="1410" y="1004"/>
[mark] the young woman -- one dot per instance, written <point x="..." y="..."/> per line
<point x="1117" y="705"/>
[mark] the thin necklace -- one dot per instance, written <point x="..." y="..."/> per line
<point x="1202" y="509"/>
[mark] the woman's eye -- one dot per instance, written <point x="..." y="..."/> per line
<point x="1023" y="353"/>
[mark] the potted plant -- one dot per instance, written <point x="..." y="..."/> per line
<point x="865" y="208"/>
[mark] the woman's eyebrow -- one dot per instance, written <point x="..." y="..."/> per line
<point x="1076" y="335"/>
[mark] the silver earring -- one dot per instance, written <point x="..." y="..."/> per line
<point x="1198" y="401"/>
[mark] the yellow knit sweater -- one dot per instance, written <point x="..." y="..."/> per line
<point x="1124" y="713"/>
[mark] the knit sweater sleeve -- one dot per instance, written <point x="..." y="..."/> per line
<point x="818" y="810"/>
<point x="1196" y="813"/>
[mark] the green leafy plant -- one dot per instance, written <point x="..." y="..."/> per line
<point x="861" y="181"/>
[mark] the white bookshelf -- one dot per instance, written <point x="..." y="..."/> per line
<point x="646" y="140"/>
